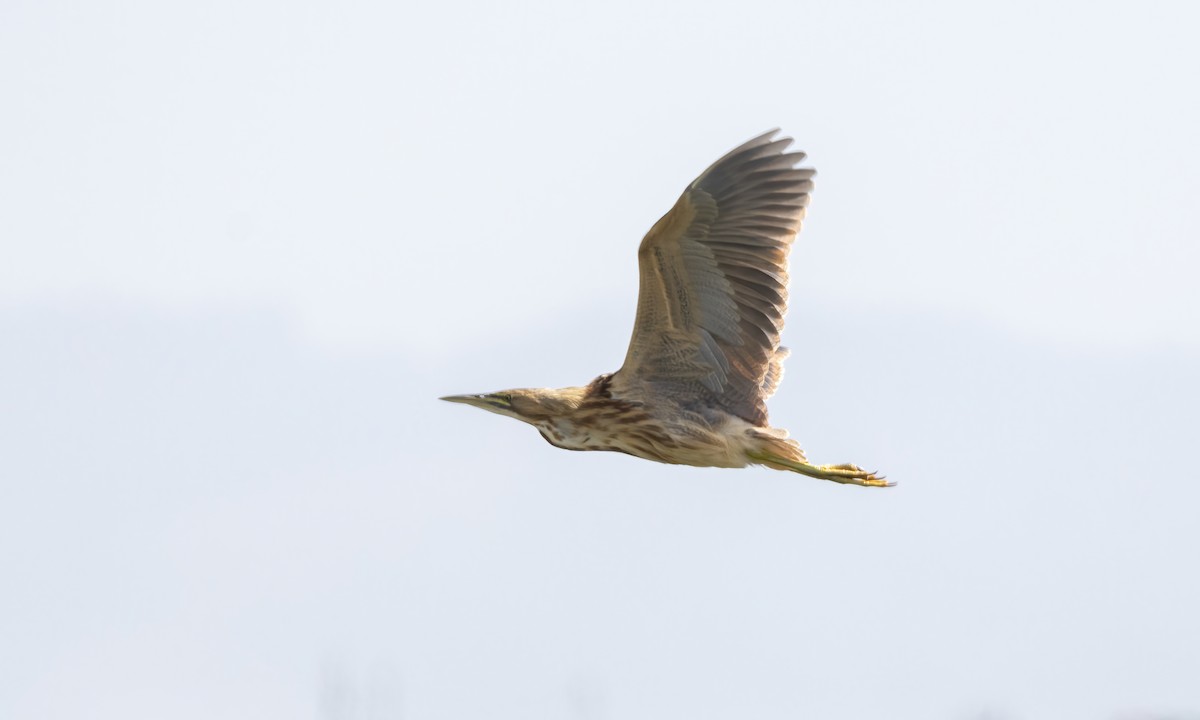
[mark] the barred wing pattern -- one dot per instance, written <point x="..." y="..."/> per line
<point x="714" y="283"/>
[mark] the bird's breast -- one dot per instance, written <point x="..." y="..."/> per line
<point x="568" y="435"/>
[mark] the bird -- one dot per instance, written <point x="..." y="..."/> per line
<point x="705" y="352"/>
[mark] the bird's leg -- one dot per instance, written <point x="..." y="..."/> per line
<point x="845" y="473"/>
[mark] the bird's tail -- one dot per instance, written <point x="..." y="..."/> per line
<point x="774" y="449"/>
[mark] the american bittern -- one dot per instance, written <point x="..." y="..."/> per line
<point x="705" y="352"/>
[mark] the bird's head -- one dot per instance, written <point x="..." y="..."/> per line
<point x="532" y="405"/>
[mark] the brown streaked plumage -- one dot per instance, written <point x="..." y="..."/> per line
<point x="704" y="356"/>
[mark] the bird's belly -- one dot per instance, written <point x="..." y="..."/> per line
<point x="723" y="447"/>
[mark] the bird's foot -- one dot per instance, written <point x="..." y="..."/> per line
<point x="846" y="473"/>
<point x="851" y="474"/>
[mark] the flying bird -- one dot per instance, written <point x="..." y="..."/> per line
<point x="705" y="354"/>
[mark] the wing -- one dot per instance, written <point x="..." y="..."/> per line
<point x="714" y="283"/>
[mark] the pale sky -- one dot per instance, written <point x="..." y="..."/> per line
<point x="245" y="246"/>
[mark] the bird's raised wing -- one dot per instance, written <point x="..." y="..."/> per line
<point x="714" y="282"/>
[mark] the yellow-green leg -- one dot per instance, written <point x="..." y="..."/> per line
<point x="845" y="473"/>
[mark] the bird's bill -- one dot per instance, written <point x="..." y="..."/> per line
<point x="491" y="402"/>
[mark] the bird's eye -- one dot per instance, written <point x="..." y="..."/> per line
<point x="506" y="397"/>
